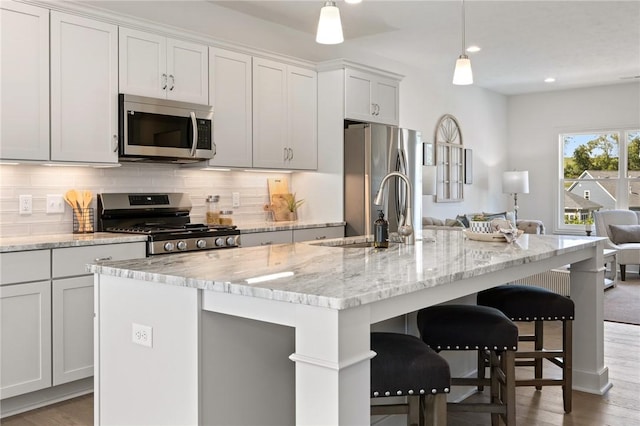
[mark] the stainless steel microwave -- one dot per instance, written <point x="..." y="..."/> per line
<point x="164" y="130"/>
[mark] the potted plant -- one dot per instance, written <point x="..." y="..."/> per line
<point x="292" y="206"/>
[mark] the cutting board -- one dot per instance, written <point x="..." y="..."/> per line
<point x="278" y="186"/>
<point x="279" y="207"/>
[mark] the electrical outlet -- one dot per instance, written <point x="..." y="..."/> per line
<point x="235" y="199"/>
<point x="55" y="203"/>
<point x="26" y="204"/>
<point x="142" y="335"/>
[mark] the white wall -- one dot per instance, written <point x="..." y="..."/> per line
<point x="536" y="120"/>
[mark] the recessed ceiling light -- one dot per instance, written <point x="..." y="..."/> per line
<point x="353" y="1"/>
<point x="549" y="80"/>
<point x="473" y="49"/>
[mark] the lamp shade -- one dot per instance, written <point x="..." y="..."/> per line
<point x="329" y="25"/>
<point x="463" y="75"/>
<point x="515" y="182"/>
<point x="429" y="180"/>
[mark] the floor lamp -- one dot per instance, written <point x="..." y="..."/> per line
<point x="515" y="183"/>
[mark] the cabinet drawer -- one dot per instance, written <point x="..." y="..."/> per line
<point x="317" y="233"/>
<point x="73" y="261"/>
<point x="265" y="238"/>
<point x="24" y="266"/>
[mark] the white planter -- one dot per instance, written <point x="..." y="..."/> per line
<point x="480" y="226"/>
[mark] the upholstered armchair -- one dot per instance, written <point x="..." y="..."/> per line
<point x="622" y="227"/>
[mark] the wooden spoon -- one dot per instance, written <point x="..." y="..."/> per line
<point x="86" y="202"/>
<point x="72" y="198"/>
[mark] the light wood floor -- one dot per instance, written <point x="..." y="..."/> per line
<point x="619" y="407"/>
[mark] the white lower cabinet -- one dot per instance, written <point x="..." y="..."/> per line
<point x="294" y="236"/>
<point x="25" y="338"/>
<point x="46" y="315"/>
<point x="72" y="316"/>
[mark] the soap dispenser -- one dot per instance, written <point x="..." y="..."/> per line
<point x="381" y="231"/>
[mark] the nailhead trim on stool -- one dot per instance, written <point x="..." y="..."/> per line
<point x="405" y="365"/>
<point x="528" y="303"/>
<point x="482" y="329"/>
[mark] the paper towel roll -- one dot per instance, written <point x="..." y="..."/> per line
<point x="429" y="180"/>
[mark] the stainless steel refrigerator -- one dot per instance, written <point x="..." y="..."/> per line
<point x="370" y="152"/>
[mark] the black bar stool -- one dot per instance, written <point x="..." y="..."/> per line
<point x="477" y="328"/>
<point x="537" y="304"/>
<point x="406" y="366"/>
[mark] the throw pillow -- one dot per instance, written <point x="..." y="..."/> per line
<point x="453" y="222"/>
<point x="621" y="234"/>
<point x="490" y="216"/>
<point x="463" y="220"/>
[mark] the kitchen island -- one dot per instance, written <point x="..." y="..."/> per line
<point x="280" y="334"/>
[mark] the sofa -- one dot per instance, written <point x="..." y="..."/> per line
<point x="461" y="221"/>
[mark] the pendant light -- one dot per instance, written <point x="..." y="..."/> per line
<point x="463" y="75"/>
<point x="329" y="25"/>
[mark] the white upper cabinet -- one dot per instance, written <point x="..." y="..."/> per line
<point x="160" y="67"/>
<point x="370" y="97"/>
<point x="230" y="96"/>
<point x="24" y="82"/>
<point x="84" y="89"/>
<point x="284" y="116"/>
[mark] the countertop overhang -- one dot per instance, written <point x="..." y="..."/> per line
<point x="338" y="278"/>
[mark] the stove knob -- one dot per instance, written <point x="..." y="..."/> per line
<point x="182" y="245"/>
<point x="220" y="242"/>
<point x="168" y="247"/>
<point x="201" y="244"/>
<point x="231" y="241"/>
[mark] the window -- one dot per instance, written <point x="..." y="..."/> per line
<point x="599" y="171"/>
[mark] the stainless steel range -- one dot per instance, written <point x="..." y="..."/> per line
<point x="164" y="218"/>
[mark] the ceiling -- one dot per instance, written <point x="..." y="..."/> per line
<point x="580" y="43"/>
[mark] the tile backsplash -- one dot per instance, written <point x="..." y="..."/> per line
<point x="38" y="181"/>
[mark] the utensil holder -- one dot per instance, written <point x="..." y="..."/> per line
<point x="83" y="222"/>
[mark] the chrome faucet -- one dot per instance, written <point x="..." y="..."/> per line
<point x="404" y="225"/>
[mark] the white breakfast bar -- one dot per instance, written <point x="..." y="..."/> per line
<point x="280" y="334"/>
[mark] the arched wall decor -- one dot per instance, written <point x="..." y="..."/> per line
<point x="450" y="160"/>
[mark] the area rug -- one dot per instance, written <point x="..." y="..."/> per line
<point x="622" y="302"/>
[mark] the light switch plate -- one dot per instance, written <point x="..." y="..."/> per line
<point x="55" y="203"/>
<point x="235" y="199"/>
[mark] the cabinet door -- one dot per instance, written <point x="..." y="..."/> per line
<point x="230" y="96"/>
<point x="386" y="99"/>
<point x="24" y="82"/>
<point x="143" y="63"/>
<point x="358" y="96"/>
<point x="270" y="140"/>
<point x="84" y="89"/>
<point x="25" y="338"/>
<point x="72" y="322"/>
<point x="265" y="238"/>
<point x="317" y="233"/>
<point x="187" y="72"/>
<point x="302" y="118"/>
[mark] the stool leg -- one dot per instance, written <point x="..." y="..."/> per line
<point x="567" y="371"/>
<point x="508" y="363"/>
<point x="539" y="338"/>
<point x="482" y="365"/>
<point x="495" y="385"/>
<point x="623" y="269"/>
<point x="435" y="409"/>
<point x="414" y="415"/>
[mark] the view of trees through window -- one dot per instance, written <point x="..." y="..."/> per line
<point x="595" y="166"/>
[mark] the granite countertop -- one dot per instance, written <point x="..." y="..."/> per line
<point x="42" y="242"/>
<point x="321" y="275"/>
<point x="252" y="227"/>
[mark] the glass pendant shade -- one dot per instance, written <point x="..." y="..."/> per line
<point x="463" y="75"/>
<point x="329" y="25"/>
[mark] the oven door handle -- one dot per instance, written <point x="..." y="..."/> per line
<point x="194" y="143"/>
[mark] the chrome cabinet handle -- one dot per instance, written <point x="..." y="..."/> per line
<point x="194" y="123"/>
<point x="215" y="150"/>
<point x="377" y="109"/>
<point x="286" y="154"/>
<point x="266" y="243"/>
<point x="290" y="154"/>
<point x="321" y="238"/>
<point x="373" y="109"/>
<point x="115" y="143"/>
<point x="103" y="259"/>
<point x="164" y="81"/>
<point x="173" y="82"/>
